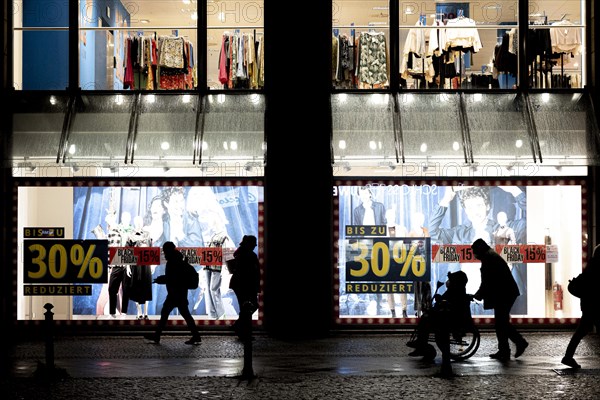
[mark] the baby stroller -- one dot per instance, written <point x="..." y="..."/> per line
<point x="457" y="322"/>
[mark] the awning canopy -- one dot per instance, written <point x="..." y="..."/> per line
<point x="374" y="134"/>
<point x="98" y="134"/>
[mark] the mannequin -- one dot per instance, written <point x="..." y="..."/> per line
<point x="117" y="272"/>
<point x="140" y="276"/>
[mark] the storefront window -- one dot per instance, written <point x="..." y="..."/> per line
<point x="62" y="229"/>
<point x="142" y="45"/>
<point x="235" y="44"/>
<point x="458" y="45"/>
<point x="419" y="231"/>
<point x="556" y="54"/>
<point x="152" y="45"/>
<point x="360" y="40"/>
<point x="40" y="55"/>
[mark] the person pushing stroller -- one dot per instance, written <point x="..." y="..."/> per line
<point x="450" y="314"/>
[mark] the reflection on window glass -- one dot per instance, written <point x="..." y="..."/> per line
<point x="360" y="37"/>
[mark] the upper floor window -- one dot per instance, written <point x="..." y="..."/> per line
<point x="556" y="51"/>
<point x="141" y="45"/>
<point x="235" y="44"/>
<point x="40" y="45"/>
<point x="456" y="45"/>
<point x="360" y="44"/>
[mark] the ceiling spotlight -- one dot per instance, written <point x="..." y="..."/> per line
<point x="387" y="164"/>
<point x="251" y="165"/>
<point x="344" y="165"/>
<point x="28" y="166"/>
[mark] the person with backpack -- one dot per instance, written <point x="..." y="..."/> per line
<point x="176" y="279"/>
<point x="590" y="308"/>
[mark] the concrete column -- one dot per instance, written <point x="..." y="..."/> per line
<point x="298" y="174"/>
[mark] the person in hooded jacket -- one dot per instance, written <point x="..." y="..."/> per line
<point x="498" y="290"/>
<point x="590" y="309"/>
<point x="245" y="283"/>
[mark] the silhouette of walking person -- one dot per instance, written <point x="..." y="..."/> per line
<point x="175" y="281"/>
<point x="498" y="290"/>
<point x="245" y="282"/>
<point x="590" y="309"/>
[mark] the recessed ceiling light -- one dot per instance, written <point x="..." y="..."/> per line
<point x="144" y="21"/>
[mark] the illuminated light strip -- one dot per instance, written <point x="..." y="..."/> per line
<point x="479" y="321"/>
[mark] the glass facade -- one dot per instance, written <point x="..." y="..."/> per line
<point x="165" y="95"/>
<point x="140" y="45"/>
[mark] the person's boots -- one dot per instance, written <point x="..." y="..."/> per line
<point x="196" y="339"/>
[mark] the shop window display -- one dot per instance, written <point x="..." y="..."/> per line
<point x="459" y="45"/>
<point x="418" y="233"/>
<point x="360" y="44"/>
<point x="141" y="45"/>
<point x="189" y="216"/>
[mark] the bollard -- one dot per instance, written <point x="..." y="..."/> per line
<point x="49" y="324"/>
<point x="48" y="371"/>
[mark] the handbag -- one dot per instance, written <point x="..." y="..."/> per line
<point x="577" y="286"/>
<point x="231" y="265"/>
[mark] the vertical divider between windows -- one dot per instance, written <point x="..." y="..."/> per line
<point x="523" y="77"/>
<point x="73" y="45"/>
<point x="202" y="47"/>
<point x="394" y="23"/>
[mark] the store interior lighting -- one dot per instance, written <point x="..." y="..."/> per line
<point x="344" y="165"/>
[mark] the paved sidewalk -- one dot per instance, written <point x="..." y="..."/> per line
<point x="343" y="366"/>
